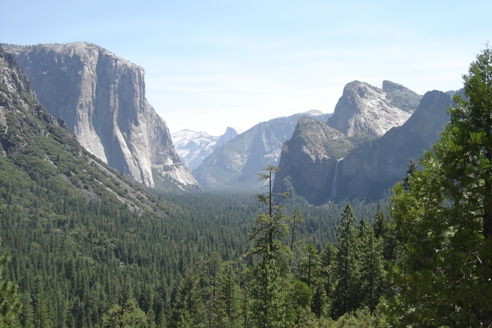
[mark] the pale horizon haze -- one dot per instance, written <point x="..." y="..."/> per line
<point x="213" y="64"/>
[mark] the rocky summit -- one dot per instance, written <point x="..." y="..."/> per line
<point x="366" y="112"/>
<point x="309" y="158"/>
<point x="372" y="169"/>
<point x="194" y="146"/>
<point x="365" y="147"/>
<point x="236" y="164"/>
<point x="101" y="98"/>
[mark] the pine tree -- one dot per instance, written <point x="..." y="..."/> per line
<point x="445" y="218"/>
<point x="347" y="266"/>
<point x="309" y="266"/>
<point x="319" y="303"/>
<point x="270" y="227"/>
<point x="371" y="267"/>
<point x="384" y="229"/>
<point x="41" y="314"/>
<point x="228" y="308"/>
<point x="10" y="306"/>
<point x="328" y="265"/>
<point x="189" y="309"/>
<point x="129" y="316"/>
<point x="27" y="314"/>
<point x="296" y="223"/>
<point x="270" y="273"/>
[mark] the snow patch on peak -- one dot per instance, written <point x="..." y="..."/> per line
<point x="314" y="112"/>
<point x="193" y="146"/>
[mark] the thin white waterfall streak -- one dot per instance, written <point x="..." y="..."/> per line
<point x="334" y="188"/>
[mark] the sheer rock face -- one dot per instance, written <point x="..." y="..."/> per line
<point x="366" y="145"/>
<point x="367" y="112"/>
<point x="322" y="164"/>
<point x="101" y="98"/>
<point x="236" y="164"/>
<point x="308" y="160"/>
<point x="372" y="169"/>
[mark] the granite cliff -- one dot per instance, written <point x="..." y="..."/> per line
<point x="45" y="170"/>
<point x="236" y="164"/>
<point x="372" y="169"/>
<point x="101" y="98"/>
<point x="309" y="159"/>
<point x="364" y="148"/>
<point x="365" y="112"/>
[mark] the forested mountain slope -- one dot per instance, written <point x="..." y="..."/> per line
<point x="69" y="222"/>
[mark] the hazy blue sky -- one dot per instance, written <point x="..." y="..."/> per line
<point x="212" y="64"/>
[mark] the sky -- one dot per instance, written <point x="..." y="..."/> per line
<point x="213" y="64"/>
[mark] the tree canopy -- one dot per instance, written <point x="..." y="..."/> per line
<point x="444" y="217"/>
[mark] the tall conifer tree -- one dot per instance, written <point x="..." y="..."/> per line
<point x="346" y="270"/>
<point x="444" y="218"/>
<point x="271" y="276"/>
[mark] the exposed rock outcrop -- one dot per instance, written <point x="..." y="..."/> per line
<point x="371" y="170"/>
<point x="309" y="159"/>
<point x="101" y="98"/>
<point x="365" y="112"/>
<point x="333" y="169"/>
<point x="39" y="155"/>
<point x="373" y="137"/>
<point x="236" y="164"/>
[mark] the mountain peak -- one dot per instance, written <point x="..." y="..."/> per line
<point x="389" y="86"/>
<point x="101" y="98"/>
<point x="366" y="112"/>
<point x="193" y="147"/>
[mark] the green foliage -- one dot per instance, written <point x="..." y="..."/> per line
<point x="270" y="276"/>
<point x="371" y="285"/>
<point x="444" y="218"/>
<point x="189" y="308"/>
<point x="90" y="248"/>
<point x="10" y="305"/>
<point x="339" y="148"/>
<point x="346" y="269"/>
<point x="130" y="315"/>
<point x="229" y="296"/>
<point x="360" y="318"/>
<point x="401" y="97"/>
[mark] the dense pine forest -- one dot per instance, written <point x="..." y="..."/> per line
<point x="83" y="246"/>
<point x="75" y="260"/>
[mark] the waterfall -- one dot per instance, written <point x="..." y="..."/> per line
<point x="334" y="189"/>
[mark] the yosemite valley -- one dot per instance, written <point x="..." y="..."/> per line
<point x="378" y="214"/>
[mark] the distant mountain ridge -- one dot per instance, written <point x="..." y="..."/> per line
<point x="101" y="98"/>
<point x="236" y="164"/>
<point x="193" y="147"/>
